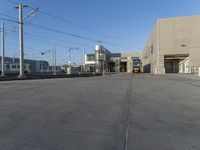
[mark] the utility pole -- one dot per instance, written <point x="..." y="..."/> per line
<point x="2" y="51"/>
<point x="54" y="57"/>
<point x="69" y="58"/>
<point x="21" y="40"/>
<point x="83" y="59"/>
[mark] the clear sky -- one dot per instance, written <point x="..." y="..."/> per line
<point x="121" y="25"/>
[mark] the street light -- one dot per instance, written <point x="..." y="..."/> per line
<point x="69" y="57"/>
<point x="53" y="52"/>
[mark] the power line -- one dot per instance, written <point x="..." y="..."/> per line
<point x="56" y="39"/>
<point x="53" y="30"/>
<point x="59" y="40"/>
<point x="31" y="35"/>
<point x="62" y="32"/>
<point x="77" y="36"/>
<point x="82" y="27"/>
<point x="124" y="38"/>
<point x="69" y="34"/>
<point x="42" y="41"/>
<point x="14" y="44"/>
<point x="81" y="44"/>
<point x="50" y="29"/>
<point x="65" y="33"/>
<point x="68" y="21"/>
<point x="78" y="25"/>
<point x="8" y="20"/>
<point x="11" y="1"/>
<point x="72" y="23"/>
<point x="5" y="15"/>
<point x="51" y="38"/>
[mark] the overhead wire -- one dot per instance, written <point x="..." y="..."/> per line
<point x="74" y="35"/>
<point x="67" y="21"/>
<point x="11" y="1"/>
<point x="63" y="32"/>
<point x="8" y="20"/>
<point x="86" y="28"/>
<point x="67" y="33"/>
<point x="56" y="39"/>
<point x="81" y="26"/>
<point x="53" y="30"/>
<point x="44" y="39"/>
<point x="5" y="15"/>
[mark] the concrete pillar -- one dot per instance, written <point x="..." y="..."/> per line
<point x="117" y="66"/>
<point x="161" y="69"/>
<point x="129" y="65"/>
<point x="190" y="70"/>
<point x="199" y="71"/>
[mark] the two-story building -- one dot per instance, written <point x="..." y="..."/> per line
<point x="104" y="60"/>
<point x="173" y="46"/>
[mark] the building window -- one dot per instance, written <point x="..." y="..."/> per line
<point x="14" y="66"/>
<point x="115" y="58"/>
<point x="7" y="66"/>
<point x="90" y="57"/>
<point x="102" y="56"/>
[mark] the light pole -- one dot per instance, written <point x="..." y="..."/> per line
<point x="54" y="55"/>
<point x="14" y="55"/>
<point x="84" y="51"/>
<point x="2" y="51"/>
<point x="69" y="57"/>
<point x="53" y="52"/>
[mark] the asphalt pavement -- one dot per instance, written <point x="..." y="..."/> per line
<point x="116" y="112"/>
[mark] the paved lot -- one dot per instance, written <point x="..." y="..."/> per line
<point x="157" y="112"/>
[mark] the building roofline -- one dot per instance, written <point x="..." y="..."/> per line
<point x="176" y="17"/>
<point x="16" y="58"/>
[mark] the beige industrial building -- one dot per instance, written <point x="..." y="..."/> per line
<point x="173" y="46"/>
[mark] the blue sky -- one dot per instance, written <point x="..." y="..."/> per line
<point x="121" y="25"/>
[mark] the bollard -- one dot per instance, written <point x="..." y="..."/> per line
<point x="199" y="71"/>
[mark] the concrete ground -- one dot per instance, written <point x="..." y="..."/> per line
<point x="141" y="112"/>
